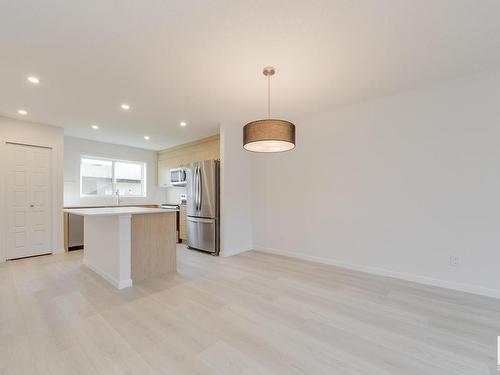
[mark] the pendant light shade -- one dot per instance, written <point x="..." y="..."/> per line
<point x="269" y="135"/>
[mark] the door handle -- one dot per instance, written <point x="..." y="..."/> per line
<point x="196" y="188"/>
<point x="200" y="190"/>
<point x="200" y="220"/>
<point x="196" y="196"/>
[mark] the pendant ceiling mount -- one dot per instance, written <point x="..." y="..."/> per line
<point x="269" y="135"/>
<point x="269" y="71"/>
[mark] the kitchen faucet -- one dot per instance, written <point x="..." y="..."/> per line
<point x="117" y="197"/>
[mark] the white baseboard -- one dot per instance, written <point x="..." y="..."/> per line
<point x="468" y="288"/>
<point x="59" y="251"/>
<point x="125" y="284"/>
<point x="225" y="254"/>
<point x="120" y="284"/>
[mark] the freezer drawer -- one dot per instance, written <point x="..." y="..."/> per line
<point x="202" y="234"/>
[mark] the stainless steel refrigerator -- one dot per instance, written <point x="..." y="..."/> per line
<point x="202" y="182"/>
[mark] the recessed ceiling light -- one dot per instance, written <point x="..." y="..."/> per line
<point x="33" y="80"/>
<point x="146" y="137"/>
<point x="95" y="127"/>
<point x="22" y="112"/>
<point x="125" y="106"/>
<point x="183" y="123"/>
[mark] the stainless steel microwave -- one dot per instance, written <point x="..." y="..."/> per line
<point x="178" y="177"/>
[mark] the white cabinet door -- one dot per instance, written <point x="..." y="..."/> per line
<point x="28" y="198"/>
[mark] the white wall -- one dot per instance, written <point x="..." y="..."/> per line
<point x="76" y="147"/>
<point x="38" y="135"/>
<point x="393" y="186"/>
<point x="173" y="194"/>
<point x="236" y="192"/>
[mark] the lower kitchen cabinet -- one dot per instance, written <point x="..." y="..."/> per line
<point x="183" y="224"/>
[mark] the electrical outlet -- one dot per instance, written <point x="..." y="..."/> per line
<point x="454" y="260"/>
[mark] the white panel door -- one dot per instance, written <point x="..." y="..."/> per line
<point x="28" y="198"/>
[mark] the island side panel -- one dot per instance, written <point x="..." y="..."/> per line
<point x="153" y="245"/>
<point x="107" y="248"/>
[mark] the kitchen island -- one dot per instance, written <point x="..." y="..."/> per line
<point x="128" y="244"/>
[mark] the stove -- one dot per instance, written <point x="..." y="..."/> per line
<point x="170" y="206"/>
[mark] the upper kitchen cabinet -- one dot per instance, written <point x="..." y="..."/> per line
<point x="202" y="149"/>
<point x="164" y="173"/>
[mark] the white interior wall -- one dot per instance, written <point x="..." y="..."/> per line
<point x="393" y="186"/>
<point x="173" y="194"/>
<point x="77" y="147"/>
<point x="24" y="132"/>
<point x="236" y="192"/>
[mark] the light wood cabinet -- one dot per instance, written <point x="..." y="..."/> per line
<point x="152" y="245"/>
<point x="183" y="224"/>
<point x="164" y="173"/>
<point x="203" y="149"/>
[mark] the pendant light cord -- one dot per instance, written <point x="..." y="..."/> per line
<point x="268" y="96"/>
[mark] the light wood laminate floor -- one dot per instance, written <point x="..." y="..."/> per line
<point x="250" y="314"/>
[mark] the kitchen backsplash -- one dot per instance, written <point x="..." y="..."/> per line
<point x="174" y="194"/>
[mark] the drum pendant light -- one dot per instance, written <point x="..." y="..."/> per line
<point x="270" y="135"/>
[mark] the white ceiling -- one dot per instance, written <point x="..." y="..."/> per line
<point x="201" y="61"/>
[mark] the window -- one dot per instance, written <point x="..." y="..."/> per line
<point x="103" y="177"/>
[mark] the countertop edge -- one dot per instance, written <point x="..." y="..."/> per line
<point x="106" y="212"/>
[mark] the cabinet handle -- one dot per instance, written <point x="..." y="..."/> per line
<point x="32" y="205"/>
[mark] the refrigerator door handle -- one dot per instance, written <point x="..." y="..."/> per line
<point x="200" y="220"/>
<point x="195" y="188"/>
<point x="197" y="183"/>
<point x="200" y="190"/>
<point x="195" y="195"/>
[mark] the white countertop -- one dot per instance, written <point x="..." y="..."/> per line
<point x="106" y="205"/>
<point x="108" y="211"/>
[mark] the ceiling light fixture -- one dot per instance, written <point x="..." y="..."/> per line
<point x="125" y="107"/>
<point x="183" y="123"/>
<point x="146" y="137"/>
<point x="33" y="80"/>
<point x="95" y="127"/>
<point x="22" y="112"/>
<point x="269" y="135"/>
